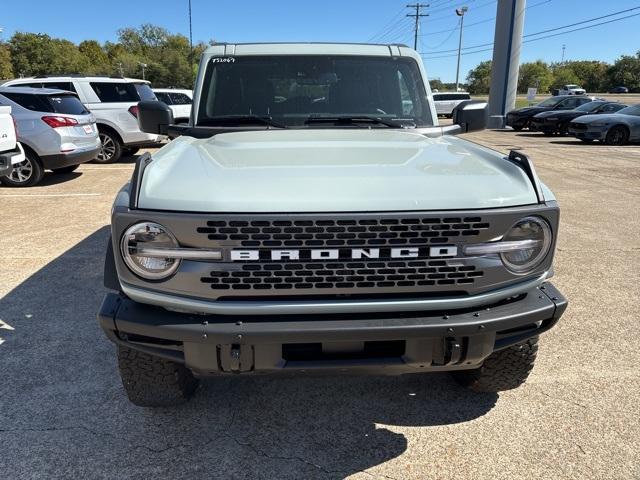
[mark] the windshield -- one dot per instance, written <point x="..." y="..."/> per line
<point x="632" y="110"/>
<point x="551" y="102"/>
<point x="589" y="106"/>
<point x="293" y="88"/>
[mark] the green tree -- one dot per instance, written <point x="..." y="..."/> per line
<point x="39" y="54"/>
<point x="6" y="69"/>
<point x="436" y="84"/>
<point x="563" y="75"/>
<point x="534" y="74"/>
<point x="479" y="78"/>
<point x="625" y="71"/>
<point x="592" y="74"/>
<point x="95" y="58"/>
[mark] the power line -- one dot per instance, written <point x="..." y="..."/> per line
<point x="399" y="15"/>
<point x="544" y="37"/>
<point x="479" y="22"/>
<point x="548" y="30"/>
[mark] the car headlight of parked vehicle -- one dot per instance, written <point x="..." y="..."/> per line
<point x="146" y="248"/>
<point x="523" y="248"/>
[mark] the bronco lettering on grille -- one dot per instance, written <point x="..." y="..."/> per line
<point x="344" y="253"/>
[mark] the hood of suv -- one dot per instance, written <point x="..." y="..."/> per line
<point x="330" y="170"/>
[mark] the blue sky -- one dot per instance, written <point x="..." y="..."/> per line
<point x="338" y="20"/>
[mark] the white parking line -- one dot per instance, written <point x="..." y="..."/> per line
<point x="17" y="195"/>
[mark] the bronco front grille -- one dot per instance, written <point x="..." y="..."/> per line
<point x="343" y="275"/>
<point x="344" y="232"/>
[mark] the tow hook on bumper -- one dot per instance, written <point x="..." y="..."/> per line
<point x="235" y="358"/>
<point x="400" y="343"/>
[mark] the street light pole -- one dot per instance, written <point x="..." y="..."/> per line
<point x="143" y="65"/>
<point x="460" y="12"/>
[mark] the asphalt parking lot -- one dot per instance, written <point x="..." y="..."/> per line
<point x="63" y="412"/>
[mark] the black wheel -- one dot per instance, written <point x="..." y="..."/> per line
<point x="111" y="149"/>
<point x="617" y="135"/>
<point x="65" y="170"/>
<point x="27" y="173"/>
<point x="502" y="370"/>
<point x="154" y="382"/>
<point x="129" y="151"/>
<point x="563" y="129"/>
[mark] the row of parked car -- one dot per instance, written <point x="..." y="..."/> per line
<point x="64" y="121"/>
<point x="586" y="118"/>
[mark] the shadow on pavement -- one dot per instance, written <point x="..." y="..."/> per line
<point x="64" y="413"/>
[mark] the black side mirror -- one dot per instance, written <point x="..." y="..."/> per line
<point x="471" y="115"/>
<point x="154" y="116"/>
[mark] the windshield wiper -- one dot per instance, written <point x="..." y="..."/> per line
<point x="354" y="119"/>
<point x="241" y="120"/>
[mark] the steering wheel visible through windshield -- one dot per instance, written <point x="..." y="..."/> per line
<point x="295" y="90"/>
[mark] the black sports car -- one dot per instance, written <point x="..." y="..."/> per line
<point x="557" y="121"/>
<point x="521" y="117"/>
<point x="619" y="89"/>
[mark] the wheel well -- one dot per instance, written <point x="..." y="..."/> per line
<point x="620" y="125"/>
<point x="31" y="152"/>
<point x="106" y="128"/>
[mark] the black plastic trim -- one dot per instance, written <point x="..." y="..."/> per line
<point x="526" y="164"/>
<point x="484" y="330"/>
<point x="136" y="179"/>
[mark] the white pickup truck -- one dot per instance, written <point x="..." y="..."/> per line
<point x="10" y="150"/>
<point x="571" y="90"/>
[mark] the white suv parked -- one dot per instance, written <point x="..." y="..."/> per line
<point x="179" y="101"/>
<point x="113" y="101"/>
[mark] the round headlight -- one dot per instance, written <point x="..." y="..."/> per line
<point x="526" y="259"/>
<point x="151" y="237"/>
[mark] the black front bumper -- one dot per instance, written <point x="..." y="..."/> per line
<point x="62" y="160"/>
<point x="399" y="343"/>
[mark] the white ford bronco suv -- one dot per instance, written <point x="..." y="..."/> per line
<point x="11" y="151"/>
<point x="313" y="217"/>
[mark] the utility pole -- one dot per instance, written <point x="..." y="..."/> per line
<point x="460" y="12"/>
<point x="563" y="47"/>
<point x="143" y="66"/>
<point x="417" y="16"/>
<point x="190" y="39"/>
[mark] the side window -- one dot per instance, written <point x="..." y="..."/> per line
<point x="582" y="101"/>
<point x="179" y="98"/>
<point x="569" y="103"/>
<point x="163" y="97"/>
<point x="405" y="96"/>
<point x="68" y="86"/>
<point x="31" y="85"/>
<point x="612" y="107"/>
<point x="115" y="92"/>
<point x="36" y="103"/>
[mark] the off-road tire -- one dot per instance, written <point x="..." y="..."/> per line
<point x="65" y="170"/>
<point x="154" y="382"/>
<point x="502" y="370"/>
